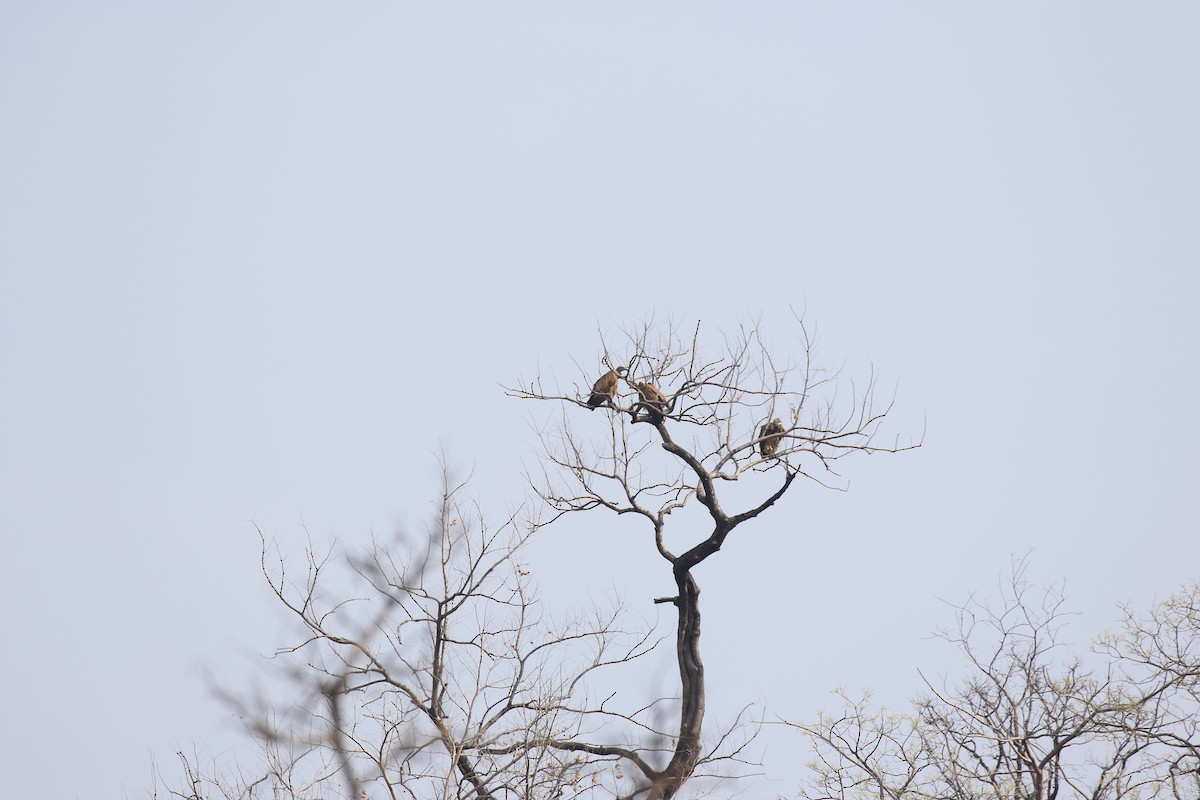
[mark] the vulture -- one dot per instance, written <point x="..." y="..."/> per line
<point x="605" y="389"/>
<point x="651" y="396"/>
<point x="771" y="434"/>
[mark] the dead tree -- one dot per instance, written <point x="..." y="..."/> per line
<point x="698" y="432"/>
<point x="1030" y="720"/>
<point x="424" y="672"/>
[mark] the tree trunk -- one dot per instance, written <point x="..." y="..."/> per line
<point x="691" y="674"/>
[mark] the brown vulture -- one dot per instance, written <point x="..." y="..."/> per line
<point x="651" y="396"/>
<point x="771" y="434"/>
<point x="605" y="389"/>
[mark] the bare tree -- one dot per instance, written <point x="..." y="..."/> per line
<point x="686" y="421"/>
<point x="425" y="672"/>
<point x="1031" y="721"/>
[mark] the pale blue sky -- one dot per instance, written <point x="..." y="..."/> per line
<point x="262" y="261"/>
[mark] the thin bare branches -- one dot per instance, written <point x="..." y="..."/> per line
<point x="716" y="400"/>
<point x="1030" y="720"/>
<point x="431" y="671"/>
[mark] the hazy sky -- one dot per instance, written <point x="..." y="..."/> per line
<point x="262" y="261"/>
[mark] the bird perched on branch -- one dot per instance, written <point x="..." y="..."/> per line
<point x="605" y="389"/>
<point x="651" y="396"/>
<point x="771" y="434"/>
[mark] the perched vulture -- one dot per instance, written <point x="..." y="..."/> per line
<point x="606" y="388"/>
<point x="771" y="434"/>
<point x="651" y="396"/>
